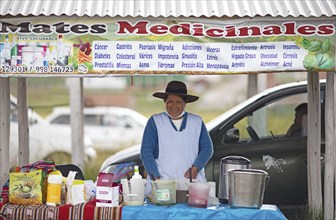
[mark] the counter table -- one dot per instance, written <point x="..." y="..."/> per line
<point x="179" y="211"/>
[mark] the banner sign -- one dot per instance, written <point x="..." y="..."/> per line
<point x="65" y="46"/>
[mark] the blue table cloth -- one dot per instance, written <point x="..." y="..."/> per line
<point x="185" y="212"/>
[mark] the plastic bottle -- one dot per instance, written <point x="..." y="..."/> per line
<point x="7" y="49"/>
<point x="54" y="190"/>
<point x="14" y="48"/>
<point x="136" y="174"/>
<point x="60" y="50"/>
<point x="53" y="53"/>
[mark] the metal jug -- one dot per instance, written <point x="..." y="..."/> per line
<point x="228" y="163"/>
<point x="247" y="187"/>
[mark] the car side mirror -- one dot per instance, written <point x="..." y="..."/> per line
<point x="231" y="136"/>
<point x="32" y="121"/>
<point x="31" y="117"/>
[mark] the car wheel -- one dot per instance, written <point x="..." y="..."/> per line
<point x="59" y="157"/>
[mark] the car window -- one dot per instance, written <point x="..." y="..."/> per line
<point x="62" y="119"/>
<point x="113" y="121"/>
<point x="91" y="119"/>
<point x="273" y="119"/>
<point x="131" y="121"/>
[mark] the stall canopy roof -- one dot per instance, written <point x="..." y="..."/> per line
<point x="166" y="8"/>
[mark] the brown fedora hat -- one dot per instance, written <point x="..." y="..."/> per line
<point x="176" y="88"/>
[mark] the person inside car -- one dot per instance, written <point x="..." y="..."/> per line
<point x="175" y="143"/>
<point x="299" y="126"/>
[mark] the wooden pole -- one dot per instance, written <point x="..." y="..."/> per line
<point x="23" y="122"/>
<point x="329" y="148"/>
<point x="252" y="85"/>
<point x="77" y="124"/>
<point x="314" y="144"/>
<point x="334" y="110"/>
<point x="4" y="130"/>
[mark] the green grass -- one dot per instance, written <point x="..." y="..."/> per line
<point x="310" y="214"/>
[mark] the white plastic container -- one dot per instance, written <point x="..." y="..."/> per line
<point x="133" y="191"/>
<point x="54" y="190"/>
<point x="20" y="46"/>
<point x="27" y="56"/>
<point x="38" y="56"/>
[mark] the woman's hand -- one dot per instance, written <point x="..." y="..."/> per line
<point x="194" y="172"/>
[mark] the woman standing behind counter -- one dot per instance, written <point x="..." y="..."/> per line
<point x="175" y="140"/>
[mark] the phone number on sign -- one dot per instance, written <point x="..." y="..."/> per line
<point x="37" y="69"/>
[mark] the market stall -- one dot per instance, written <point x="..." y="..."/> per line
<point x="107" y="38"/>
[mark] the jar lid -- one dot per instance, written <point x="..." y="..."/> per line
<point x="57" y="179"/>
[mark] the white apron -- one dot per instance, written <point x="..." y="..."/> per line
<point x="178" y="150"/>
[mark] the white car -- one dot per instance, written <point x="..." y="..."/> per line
<point x="45" y="141"/>
<point x="109" y="128"/>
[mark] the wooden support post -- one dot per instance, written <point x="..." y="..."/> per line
<point x="77" y="124"/>
<point x="252" y="85"/>
<point x="314" y="144"/>
<point x="4" y="130"/>
<point x="329" y="193"/>
<point x="334" y="108"/>
<point x="23" y="122"/>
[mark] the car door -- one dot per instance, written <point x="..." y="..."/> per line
<point x="284" y="158"/>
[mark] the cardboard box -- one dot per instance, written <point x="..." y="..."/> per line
<point x="107" y="193"/>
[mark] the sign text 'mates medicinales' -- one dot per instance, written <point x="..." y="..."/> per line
<point x="181" y="29"/>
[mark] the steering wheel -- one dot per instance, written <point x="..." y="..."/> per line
<point x="253" y="134"/>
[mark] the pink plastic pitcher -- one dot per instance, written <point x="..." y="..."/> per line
<point x="198" y="195"/>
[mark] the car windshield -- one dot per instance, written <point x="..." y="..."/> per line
<point x="120" y="170"/>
